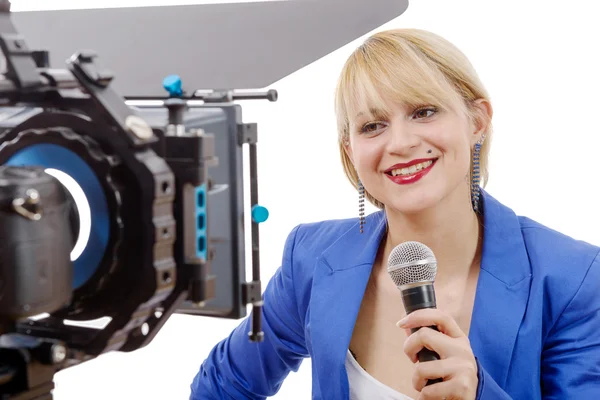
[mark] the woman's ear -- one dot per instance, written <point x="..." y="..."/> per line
<point x="348" y="149"/>
<point x="483" y="118"/>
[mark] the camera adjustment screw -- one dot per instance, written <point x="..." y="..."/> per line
<point x="139" y="127"/>
<point x="29" y="205"/>
<point x="58" y="353"/>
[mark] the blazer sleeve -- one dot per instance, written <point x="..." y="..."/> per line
<point x="488" y="389"/>
<point x="570" y="364"/>
<point x="238" y="369"/>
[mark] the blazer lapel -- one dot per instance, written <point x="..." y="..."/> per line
<point x="340" y="279"/>
<point x="502" y="290"/>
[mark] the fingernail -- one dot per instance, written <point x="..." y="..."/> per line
<point x="402" y="322"/>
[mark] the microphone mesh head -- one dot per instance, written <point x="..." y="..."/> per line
<point x="411" y="262"/>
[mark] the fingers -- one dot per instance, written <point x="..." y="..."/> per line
<point x="429" y="339"/>
<point x="451" y="368"/>
<point x="456" y="366"/>
<point x="430" y="370"/>
<point x="432" y="317"/>
<point x="451" y="389"/>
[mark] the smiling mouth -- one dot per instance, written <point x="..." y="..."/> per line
<point x="407" y="171"/>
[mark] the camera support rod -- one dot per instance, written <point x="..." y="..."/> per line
<point x="247" y="134"/>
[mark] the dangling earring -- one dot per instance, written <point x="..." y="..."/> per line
<point x="476" y="176"/>
<point x="361" y="205"/>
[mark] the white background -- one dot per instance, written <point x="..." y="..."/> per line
<point x="539" y="60"/>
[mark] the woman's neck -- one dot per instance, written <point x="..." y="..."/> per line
<point x="451" y="231"/>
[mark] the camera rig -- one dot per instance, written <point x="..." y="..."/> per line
<point x="161" y="229"/>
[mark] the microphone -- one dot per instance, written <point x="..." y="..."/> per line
<point x="412" y="266"/>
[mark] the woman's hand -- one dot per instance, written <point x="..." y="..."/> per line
<point x="456" y="366"/>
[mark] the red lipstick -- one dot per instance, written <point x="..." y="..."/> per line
<point x="408" y="164"/>
<point x="411" y="178"/>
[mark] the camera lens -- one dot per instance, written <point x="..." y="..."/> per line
<point x="89" y="214"/>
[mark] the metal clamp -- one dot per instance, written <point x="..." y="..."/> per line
<point x="247" y="133"/>
<point x="252" y="293"/>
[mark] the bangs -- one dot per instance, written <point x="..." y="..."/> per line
<point x="383" y="74"/>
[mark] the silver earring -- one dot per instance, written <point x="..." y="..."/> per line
<point x="361" y="205"/>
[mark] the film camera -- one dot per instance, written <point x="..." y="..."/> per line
<point x="114" y="211"/>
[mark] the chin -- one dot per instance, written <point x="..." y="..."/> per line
<point x="413" y="203"/>
<point x="408" y="208"/>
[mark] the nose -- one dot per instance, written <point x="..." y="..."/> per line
<point x="401" y="139"/>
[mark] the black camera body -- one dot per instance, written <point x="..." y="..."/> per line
<point x="105" y="215"/>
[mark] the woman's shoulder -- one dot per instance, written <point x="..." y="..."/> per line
<point x="305" y="245"/>
<point x="551" y="254"/>
<point x="317" y="236"/>
<point x="559" y="249"/>
<point x="561" y="261"/>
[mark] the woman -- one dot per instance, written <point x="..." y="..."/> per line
<point x="518" y="310"/>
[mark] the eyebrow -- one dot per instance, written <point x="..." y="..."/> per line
<point x="372" y="111"/>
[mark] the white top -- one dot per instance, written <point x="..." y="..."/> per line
<point x="364" y="387"/>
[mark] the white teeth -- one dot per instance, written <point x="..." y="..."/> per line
<point x="412" y="169"/>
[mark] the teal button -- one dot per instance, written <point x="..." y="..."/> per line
<point x="172" y="84"/>
<point x="259" y="214"/>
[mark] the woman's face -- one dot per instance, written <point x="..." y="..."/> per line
<point x="414" y="158"/>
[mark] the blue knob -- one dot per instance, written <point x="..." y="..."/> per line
<point x="172" y="84"/>
<point x="259" y="214"/>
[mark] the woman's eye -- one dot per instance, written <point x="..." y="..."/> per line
<point x="425" y="112"/>
<point x="372" y="127"/>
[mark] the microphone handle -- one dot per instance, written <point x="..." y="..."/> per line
<point x="416" y="298"/>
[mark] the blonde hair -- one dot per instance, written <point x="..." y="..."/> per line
<point x="415" y="68"/>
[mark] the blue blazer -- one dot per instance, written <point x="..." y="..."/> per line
<point x="535" y="328"/>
